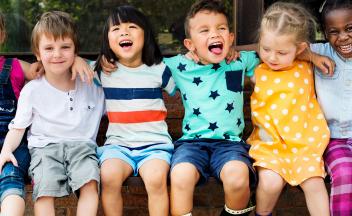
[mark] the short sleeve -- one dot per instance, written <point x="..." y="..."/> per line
<point x="317" y="48"/>
<point x="168" y="83"/>
<point x="24" y="112"/>
<point x="250" y="60"/>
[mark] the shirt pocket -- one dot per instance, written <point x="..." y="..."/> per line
<point x="234" y="80"/>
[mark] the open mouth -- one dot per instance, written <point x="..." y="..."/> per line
<point x="126" y="43"/>
<point x="216" y="48"/>
<point x="346" y="49"/>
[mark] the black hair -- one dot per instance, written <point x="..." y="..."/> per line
<point x="151" y="53"/>
<point x="330" y="5"/>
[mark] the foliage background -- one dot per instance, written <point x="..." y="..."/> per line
<point x="21" y="16"/>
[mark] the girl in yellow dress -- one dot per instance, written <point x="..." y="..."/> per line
<point x="290" y="133"/>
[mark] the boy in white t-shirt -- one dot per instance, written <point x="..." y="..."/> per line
<point x="64" y="116"/>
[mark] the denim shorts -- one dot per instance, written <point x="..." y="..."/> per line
<point x="135" y="157"/>
<point x="209" y="156"/>
<point x="12" y="179"/>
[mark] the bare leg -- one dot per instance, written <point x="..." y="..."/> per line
<point x="154" y="174"/>
<point x="184" y="177"/>
<point x="44" y="206"/>
<point x="316" y="196"/>
<point x="113" y="173"/>
<point x="12" y="205"/>
<point x="268" y="190"/>
<point x="235" y="178"/>
<point x="88" y="199"/>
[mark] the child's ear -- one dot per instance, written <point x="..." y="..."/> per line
<point x="189" y="44"/>
<point x="301" y="47"/>
<point x="232" y="37"/>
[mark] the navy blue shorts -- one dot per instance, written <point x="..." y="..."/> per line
<point x="209" y="156"/>
<point x="12" y="179"/>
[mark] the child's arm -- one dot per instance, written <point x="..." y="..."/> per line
<point x="81" y="67"/>
<point x="12" y="141"/>
<point x="107" y="66"/>
<point x="324" y="63"/>
<point x="31" y="71"/>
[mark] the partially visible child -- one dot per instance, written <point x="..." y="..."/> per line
<point x="212" y="95"/>
<point x="13" y="73"/>
<point x="290" y="133"/>
<point x="63" y="115"/>
<point x="335" y="97"/>
<point x="137" y="138"/>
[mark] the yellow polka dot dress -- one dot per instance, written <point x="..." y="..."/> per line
<point x="290" y="132"/>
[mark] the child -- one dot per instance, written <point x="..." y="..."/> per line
<point x="137" y="138"/>
<point x="64" y="116"/>
<point x="290" y="133"/>
<point x="334" y="96"/>
<point x="212" y="95"/>
<point x="13" y="74"/>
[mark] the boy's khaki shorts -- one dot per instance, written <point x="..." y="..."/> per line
<point x="61" y="168"/>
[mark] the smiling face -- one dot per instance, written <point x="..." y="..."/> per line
<point x="210" y="37"/>
<point x="278" y="51"/>
<point x="338" y="31"/>
<point x="57" y="56"/>
<point x="126" y="40"/>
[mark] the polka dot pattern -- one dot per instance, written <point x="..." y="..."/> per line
<point x="291" y="115"/>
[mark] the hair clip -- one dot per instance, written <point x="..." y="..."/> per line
<point x="322" y="6"/>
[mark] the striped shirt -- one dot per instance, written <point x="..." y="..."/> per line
<point x="135" y="105"/>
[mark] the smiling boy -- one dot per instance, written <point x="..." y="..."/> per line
<point x="212" y="95"/>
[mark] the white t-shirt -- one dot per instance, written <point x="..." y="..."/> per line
<point x="58" y="116"/>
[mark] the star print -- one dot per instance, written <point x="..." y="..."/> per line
<point x="239" y="122"/>
<point x="196" y="112"/>
<point x="214" y="94"/>
<point x="184" y="97"/>
<point x="226" y="136"/>
<point x="197" y="80"/>
<point x="229" y="107"/>
<point x="213" y="126"/>
<point x="181" y="67"/>
<point x="216" y="66"/>
<point x="187" y="127"/>
<point x="197" y="136"/>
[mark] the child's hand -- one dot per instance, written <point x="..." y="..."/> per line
<point x="7" y="157"/>
<point x="81" y="67"/>
<point x="107" y="66"/>
<point x="232" y="55"/>
<point x="32" y="71"/>
<point x="324" y="63"/>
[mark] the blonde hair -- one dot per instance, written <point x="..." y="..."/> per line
<point x="57" y="24"/>
<point x="289" y="18"/>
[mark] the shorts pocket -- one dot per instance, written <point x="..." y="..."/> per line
<point x="234" y="80"/>
<point x="35" y="170"/>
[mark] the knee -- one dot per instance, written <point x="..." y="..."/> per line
<point x="270" y="185"/>
<point x="110" y="179"/>
<point x="181" y="181"/>
<point x="235" y="178"/>
<point x="156" y="182"/>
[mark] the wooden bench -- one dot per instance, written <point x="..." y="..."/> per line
<point x="208" y="199"/>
